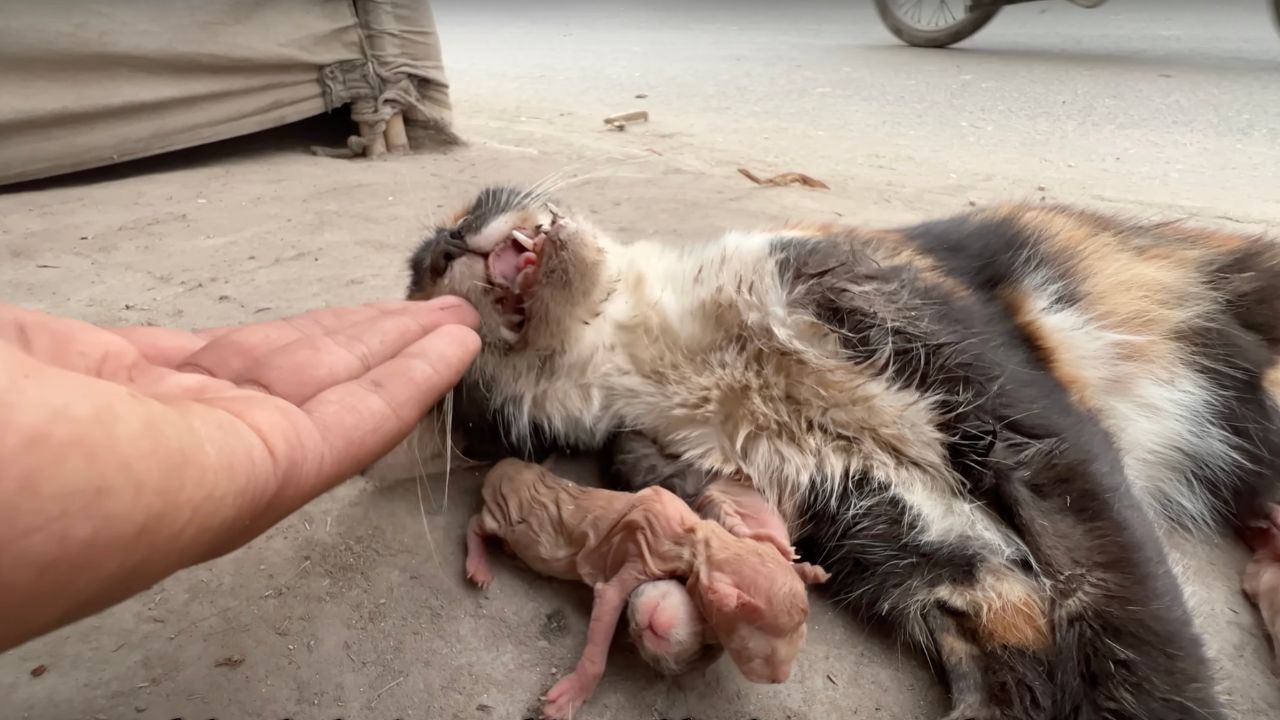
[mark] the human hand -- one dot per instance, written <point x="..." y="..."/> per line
<point x="128" y="454"/>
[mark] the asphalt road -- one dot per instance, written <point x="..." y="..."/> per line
<point x="1161" y="103"/>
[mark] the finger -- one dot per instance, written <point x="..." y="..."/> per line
<point x="324" y="319"/>
<point x="312" y="364"/>
<point x="362" y="420"/>
<point x="229" y="355"/>
<point x="161" y="346"/>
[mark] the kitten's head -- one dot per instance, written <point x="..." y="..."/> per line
<point x="667" y="629"/>
<point x="755" y="602"/>
<point x="530" y="269"/>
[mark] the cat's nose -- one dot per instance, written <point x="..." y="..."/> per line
<point x="447" y="250"/>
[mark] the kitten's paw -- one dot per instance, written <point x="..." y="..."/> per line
<point x="479" y="573"/>
<point x="567" y="697"/>
<point x="771" y="538"/>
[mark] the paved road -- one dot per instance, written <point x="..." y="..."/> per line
<point x="1174" y="103"/>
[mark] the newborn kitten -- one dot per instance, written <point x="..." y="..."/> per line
<point x="753" y="599"/>
<point x="669" y="633"/>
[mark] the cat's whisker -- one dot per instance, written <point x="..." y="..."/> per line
<point x="600" y="172"/>
<point x="418" y="479"/>
<point x="448" y="446"/>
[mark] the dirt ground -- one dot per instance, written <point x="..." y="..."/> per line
<point x="351" y="608"/>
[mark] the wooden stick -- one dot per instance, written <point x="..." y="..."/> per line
<point x="397" y="138"/>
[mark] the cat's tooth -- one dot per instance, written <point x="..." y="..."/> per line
<point x="555" y="211"/>
<point x="509" y="335"/>
<point x="523" y="239"/>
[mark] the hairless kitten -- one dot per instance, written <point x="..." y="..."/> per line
<point x="753" y="598"/>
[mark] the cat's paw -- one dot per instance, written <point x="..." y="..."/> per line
<point x="478" y="572"/>
<point x="567" y="697"/>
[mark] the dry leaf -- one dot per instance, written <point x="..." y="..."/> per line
<point x="230" y="661"/>
<point x="786" y="178"/>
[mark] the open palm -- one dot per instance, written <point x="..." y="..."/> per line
<point x="127" y="454"/>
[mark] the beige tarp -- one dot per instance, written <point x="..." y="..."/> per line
<point x="85" y="83"/>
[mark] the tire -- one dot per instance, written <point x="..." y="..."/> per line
<point x="939" y="37"/>
<point x="1275" y="13"/>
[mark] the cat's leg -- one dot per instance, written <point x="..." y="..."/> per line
<point x="956" y="588"/>
<point x="478" y="570"/>
<point x="1124" y="642"/>
<point x="713" y="504"/>
<point x="1084" y="621"/>
<point x="568" y="695"/>
<point x="963" y="663"/>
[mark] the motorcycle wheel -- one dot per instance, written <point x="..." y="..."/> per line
<point x="935" y="23"/>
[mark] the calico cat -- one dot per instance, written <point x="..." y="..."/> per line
<point x="974" y="424"/>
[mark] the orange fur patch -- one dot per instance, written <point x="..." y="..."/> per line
<point x="1047" y="345"/>
<point x="1015" y="622"/>
<point x="1271" y="381"/>
<point x="1122" y="277"/>
<point x="1004" y="609"/>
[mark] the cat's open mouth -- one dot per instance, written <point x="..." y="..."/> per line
<point x="513" y="268"/>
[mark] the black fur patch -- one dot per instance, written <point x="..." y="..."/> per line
<point x="445" y="244"/>
<point x="632" y="462"/>
<point x="886" y="316"/>
<point x="1233" y="359"/>
<point x="866" y="540"/>
<point x="1121" y="623"/>
<point x="479" y="433"/>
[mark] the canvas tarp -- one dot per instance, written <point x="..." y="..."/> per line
<point x="87" y="83"/>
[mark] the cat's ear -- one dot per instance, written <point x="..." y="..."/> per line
<point x="811" y="574"/>
<point x="723" y="596"/>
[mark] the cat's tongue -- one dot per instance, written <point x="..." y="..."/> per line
<point x="506" y="261"/>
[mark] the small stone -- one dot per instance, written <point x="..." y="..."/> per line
<point x="139" y="708"/>
<point x="230" y="661"/>
<point x="641" y="96"/>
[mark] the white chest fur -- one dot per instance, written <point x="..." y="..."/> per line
<point x="700" y="347"/>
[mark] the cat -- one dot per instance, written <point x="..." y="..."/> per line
<point x="974" y="423"/>
<point x="752" y="596"/>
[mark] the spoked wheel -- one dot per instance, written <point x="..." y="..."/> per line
<point x="933" y="23"/>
